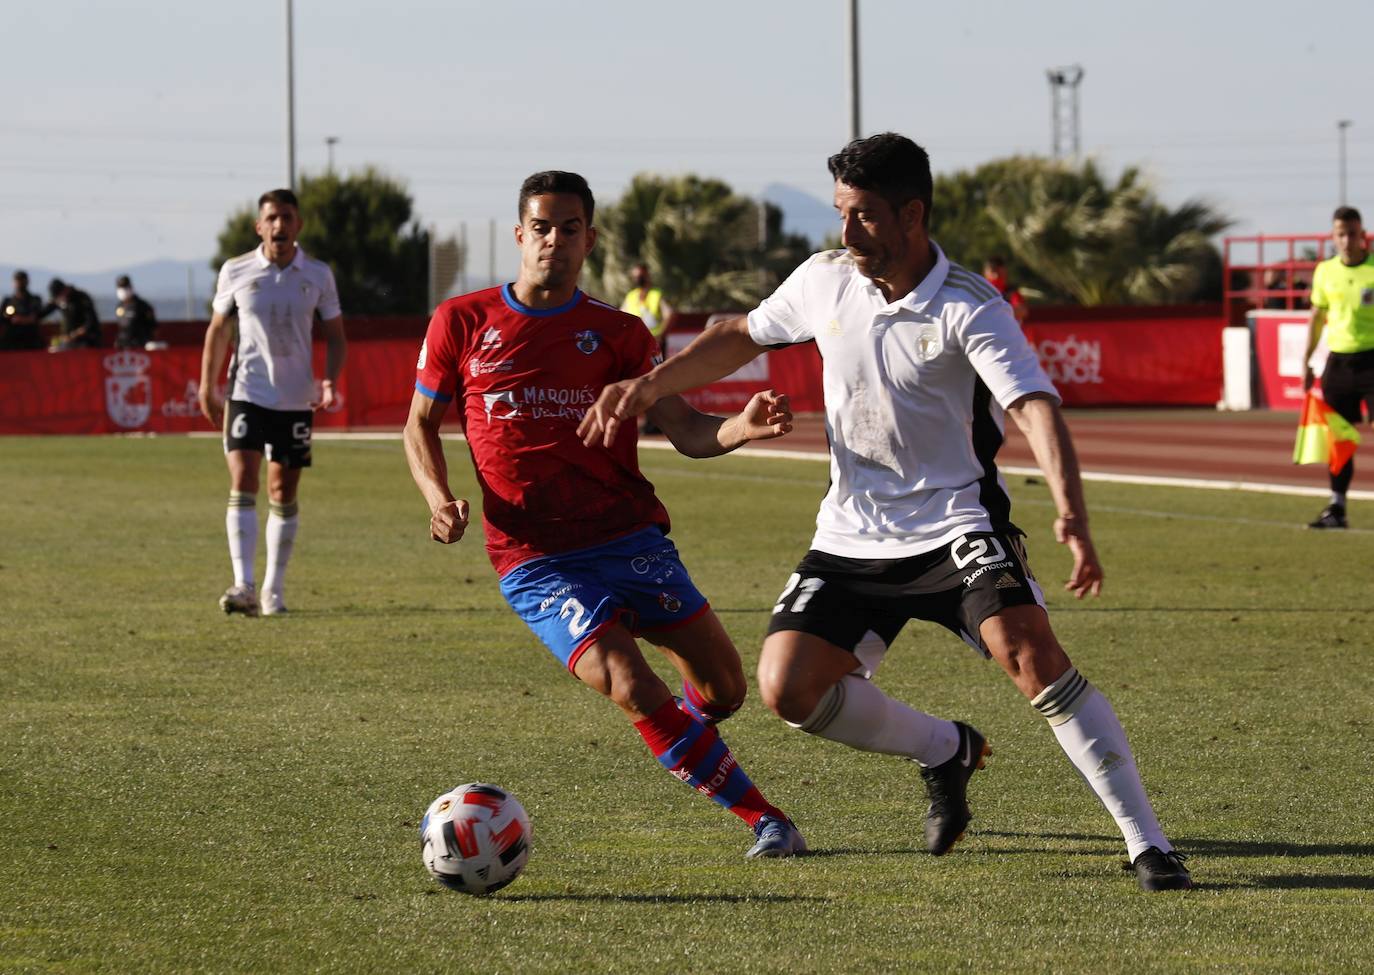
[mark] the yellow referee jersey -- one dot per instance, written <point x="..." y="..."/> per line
<point x="1347" y="296"/>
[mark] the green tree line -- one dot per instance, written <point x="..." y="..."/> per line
<point x="1067" y="232"/>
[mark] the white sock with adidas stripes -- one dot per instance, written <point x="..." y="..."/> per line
<point x="241" y="525"/>
<point x="1090" y="734"/>
<point x="855" y="713"/>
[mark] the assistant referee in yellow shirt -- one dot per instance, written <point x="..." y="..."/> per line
<point x="1343" y="304"/>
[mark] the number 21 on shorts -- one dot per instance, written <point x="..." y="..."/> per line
<point x="804" y="589"/>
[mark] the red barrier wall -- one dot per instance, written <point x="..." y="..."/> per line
<point x="1173" y="361"/>
<point x="108" y="391"/>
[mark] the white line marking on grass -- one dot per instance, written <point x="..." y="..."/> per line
<point x="1206" y="484"/>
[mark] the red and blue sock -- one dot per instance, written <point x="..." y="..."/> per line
<point x="694" y="752"/>
<point x="703" y="710"/>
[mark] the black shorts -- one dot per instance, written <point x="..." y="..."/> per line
<point x="960" y="585"/>
<point x="283" y="435"/>
<point x="1348" y="381"/>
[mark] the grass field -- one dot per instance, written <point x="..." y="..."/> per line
<point x="181" y="791"/>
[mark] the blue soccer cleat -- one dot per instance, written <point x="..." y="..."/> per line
<point x="776" y="838"/>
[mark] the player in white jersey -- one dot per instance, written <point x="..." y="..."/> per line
<point x="923" y="360"/>
<point x="276" y="293"/>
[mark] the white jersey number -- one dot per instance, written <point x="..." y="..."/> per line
<point x="805" y="589"/>
<point x="239" y="428"/>
<point x="577" y="625"/>
<point x="968" y="549"/>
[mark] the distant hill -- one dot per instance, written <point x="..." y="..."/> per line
<point x="163" y="283"/>
<point x="802" y="213"/>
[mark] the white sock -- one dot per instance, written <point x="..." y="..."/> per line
<point x="282" y="521"/>
<point x="1338" y="498"/>
<point x="855" y="713"/>
<point x="1090" y="734"/>
<point x="241" y="524"/>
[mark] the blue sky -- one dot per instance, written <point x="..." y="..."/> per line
<point x="132" y="129"/>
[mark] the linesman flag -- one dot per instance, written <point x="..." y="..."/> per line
<point x="1324" y="436"/>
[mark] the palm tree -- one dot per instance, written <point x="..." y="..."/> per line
<point x="700" y="240"/>
<point x="1101" y="244"/>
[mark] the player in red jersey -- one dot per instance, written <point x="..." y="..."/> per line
<point x="576" y="533"/>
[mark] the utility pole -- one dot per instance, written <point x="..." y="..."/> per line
<point x="852" y="57"/>
<point x="1064" y="127"/>
<point x="1341" y="126"/>
<point x="290" y="102"/>
<point x="331" y="141"/>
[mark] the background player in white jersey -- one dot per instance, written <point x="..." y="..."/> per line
<point x="277" y="293"/>
<point x="922" y="360"/>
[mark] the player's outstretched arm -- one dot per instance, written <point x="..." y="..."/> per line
<point x="448" y="516"/>
<point x="767" y="416"/>
<point x="715" y="353"/>
<point x="1038" y="417"/>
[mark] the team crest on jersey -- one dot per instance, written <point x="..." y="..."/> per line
<point x="928" y="342"/>
<point x="491" y="340"/>
<point x="669" y="602"/>
<point x="587" y="342"/>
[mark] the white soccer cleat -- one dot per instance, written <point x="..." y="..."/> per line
<point x="272" y="603"/>
<point x="240" y="599"/>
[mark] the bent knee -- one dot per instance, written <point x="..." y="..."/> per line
<point x="790" y="699"/>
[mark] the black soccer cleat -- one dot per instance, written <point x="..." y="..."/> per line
<point x="1157" y="870"/>
<point x="1332" y="516"/>
<point x="947" y="786"/>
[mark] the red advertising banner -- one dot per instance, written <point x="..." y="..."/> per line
<point x="794" y="370"/>
<point x="1279" y="341"/>
<point x="1132" y="363"/>
<point x="132" y="391"/>
<point x="1147" y="362"/>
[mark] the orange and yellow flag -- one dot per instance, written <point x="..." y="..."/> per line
<point x="1324" y="436"/>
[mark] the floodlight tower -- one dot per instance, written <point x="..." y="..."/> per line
<point x="1064" y="130"/>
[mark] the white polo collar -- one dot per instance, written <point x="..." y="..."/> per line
<point x="918" y="297"/>
<point x="264" y="263"/>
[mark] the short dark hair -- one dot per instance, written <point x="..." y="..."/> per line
<point x="1344" y="214"/>
<point x="996" y="260"/>
<point x="556" y="181"/>
<point x="21" y="276"/>
<point x="279" y="197"/>
<point x="56" y="286"/>
<point x="123" y="281"/>
<point x="888" y="164"/>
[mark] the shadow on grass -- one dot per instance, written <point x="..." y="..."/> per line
<point x="1320" y="881"/>
<point x="669" y="898"/>
<point x="1203" y="847"/>
<point x="1272" y="848"/>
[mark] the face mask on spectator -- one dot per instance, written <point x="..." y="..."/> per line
<point x="124" y="294"/>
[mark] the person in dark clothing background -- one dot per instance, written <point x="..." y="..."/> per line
<point x="20" y="313"/>
<point x="136" y="319"/>
<point x="80" y="323"/>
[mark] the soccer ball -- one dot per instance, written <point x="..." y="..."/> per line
<point x="475" y="839"/>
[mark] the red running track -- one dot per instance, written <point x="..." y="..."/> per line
<point x="1253" y="447"/>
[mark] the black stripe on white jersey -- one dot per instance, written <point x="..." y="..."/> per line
<point x="987" y="440"/>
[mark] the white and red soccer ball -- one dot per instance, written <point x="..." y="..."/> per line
<point x="475" y="839"/>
